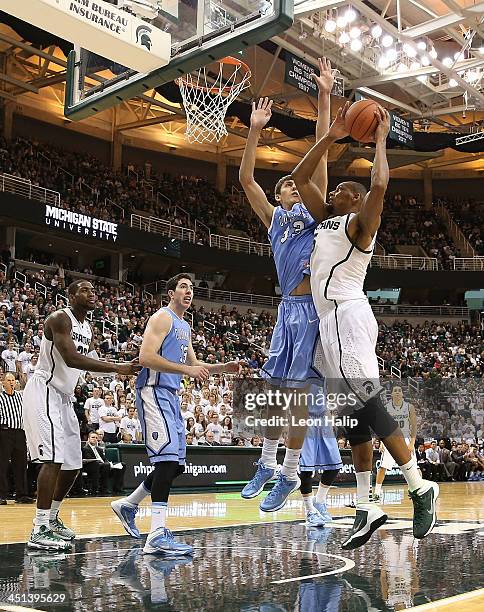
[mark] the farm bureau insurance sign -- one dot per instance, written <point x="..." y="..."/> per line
<point x="77" y="223"/>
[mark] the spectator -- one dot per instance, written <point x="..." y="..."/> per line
<point x="446" y="460"/>
<point x="130" y="424"/>
<point x="226" y="433"/>
<point x="433" y="458"/>
<point x="92" y="406"/>
<point x="10" y="356"/>
<point x="109" y="419"/>
<point x="210" y="439"/>
<point x="99" y="470"/>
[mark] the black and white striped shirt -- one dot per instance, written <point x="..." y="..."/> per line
<point x="11" y="410"/>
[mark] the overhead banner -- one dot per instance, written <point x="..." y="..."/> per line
<point x="77" y="223"/>
<point x="298" y="74"/>
<point x="401" y="130"/>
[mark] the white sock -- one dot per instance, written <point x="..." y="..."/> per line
<point x="322" y="493"/>
<point x="269" y="453"/>
<point x="363" y="487"/>
<point x="54" y="510"/>
<point x="158" y="515"/>
<point x="138" y="495"/>
<point x="378" y="488"/>
<point x="412" y="475"/>
<point x="291" y="463"/>
<point x="308" y="504"/>
<point x="41" y="518"/>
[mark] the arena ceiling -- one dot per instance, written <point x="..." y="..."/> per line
<point x="441" y="87"/>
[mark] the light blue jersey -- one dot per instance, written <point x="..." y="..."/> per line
<point x="291" y="235"/>
<point x="174" y="348"/>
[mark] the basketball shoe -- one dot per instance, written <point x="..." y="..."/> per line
<point x="314" y="519"/>
<point x="367" y="520"/>
<point x="280" y="492"/>
<point x="424" y="513"/>
<point x="126" y="512"/>
<point x="262" y="476"/>
<point x="323" y="511"/>
<point x="162" y="542"/>
<point x="58" y="527"/>
<point x="46" y="539"/>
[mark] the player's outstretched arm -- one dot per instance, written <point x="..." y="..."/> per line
<point x="303" y="174"/>
<point x="59" y="325"/>
<point x="231" y="367"/>
<point x="369" y="218"/>
<point x="261" y="113"/>
<point x="325" y="82"/>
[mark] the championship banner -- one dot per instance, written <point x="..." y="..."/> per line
<point x="401" y="130"/>
<point x="298" y="74"/>
<point x="100" y="27"/>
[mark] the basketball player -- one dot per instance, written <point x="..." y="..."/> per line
<point x="406" y="417"/>
<point x="51" y="426"/>
<point x="343" y="246"/>
<point x="295" y="336"/>
<point x="166" y="355"/>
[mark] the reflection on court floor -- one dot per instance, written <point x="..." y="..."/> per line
<point x="276" y="567"/>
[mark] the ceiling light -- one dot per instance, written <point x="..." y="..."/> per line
<point x="355" y="32"/>
<point x="402" y="68"/>
<point x="459" y="56"/>
<point x="433" y="53"/>
<point x="341" y="22"/>
<point x="391" y="54"/>
<point x="415" y="66"/>
<point x="356" y="44"/>
<point x="409" y="50"/>
<point x="330" y="26"/>
<point x="425" y="60"/>
<point x="383" y="62"/>
<point x="481" y="50"/>
<point x="344" y="38"/>
<point x="350" y="15"/>
<point x="376" y="31"/>
<point x="453" y="83"/>
<point x="422" y="45"/>
<point x="387" y="40"/>
<point x="472" y="76"/>
<point x="422" y="78"/>
<point x="447" y="61"/>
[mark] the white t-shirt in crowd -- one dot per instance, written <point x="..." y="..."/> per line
<point x="216" y="429"/>
<point x="10" y="357"/>
<point x="226" y="436"/>
<point x="107" y="411"/>
<point x="130" y="426"/>
<point x="93" y="404"/>
<point x="30" y="370"/>
<point x="187" y="414"/>
<point x="24" y="359"/>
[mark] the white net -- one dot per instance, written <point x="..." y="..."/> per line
<point x="207" y="96"/>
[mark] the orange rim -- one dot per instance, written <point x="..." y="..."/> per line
<point x="231" y="61"/>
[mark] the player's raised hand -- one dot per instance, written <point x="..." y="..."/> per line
<point x="201" y="373"/>
<point x="325" y="80"/>
<point x="337" y="129"/>
<point x="383" y="126"/>
<point x="130" y="368"/>
<point x="261" y="113"/>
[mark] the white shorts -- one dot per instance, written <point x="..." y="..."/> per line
<point x="348" y="337"/>
<point x="387" y="461"/>
<point x="51" y="425"/>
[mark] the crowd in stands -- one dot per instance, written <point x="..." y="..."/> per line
<point x="469" y="216"/>
<point x="87" y="186"/>
<point x="405" y="222"/>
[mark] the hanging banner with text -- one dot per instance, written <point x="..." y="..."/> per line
<point x="401" y="130"/>
<point x="298" y="74"/>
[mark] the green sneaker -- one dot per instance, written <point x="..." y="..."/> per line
<point x="46" y="539"/>
<point x="58" y="527"/>
<point x="424" y="513"/>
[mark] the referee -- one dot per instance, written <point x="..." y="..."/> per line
<point x="12" y="442"/>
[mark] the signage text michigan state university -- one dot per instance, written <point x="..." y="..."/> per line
<point x="78" y="223"/>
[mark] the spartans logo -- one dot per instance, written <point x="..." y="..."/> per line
<point x="143" y="36"/>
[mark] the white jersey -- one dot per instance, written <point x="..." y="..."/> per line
<point x="401" y="414"/>
<point x="52" y="366"/>
<point x="338" y="267"/>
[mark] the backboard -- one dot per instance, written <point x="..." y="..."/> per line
<point x="202" y="31"/>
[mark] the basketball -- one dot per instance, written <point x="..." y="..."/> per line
<point x="360" y="120"/>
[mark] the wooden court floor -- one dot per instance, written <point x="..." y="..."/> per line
<point x="460" y="515"/>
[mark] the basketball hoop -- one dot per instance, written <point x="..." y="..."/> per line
<point x="206" y="98"/>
